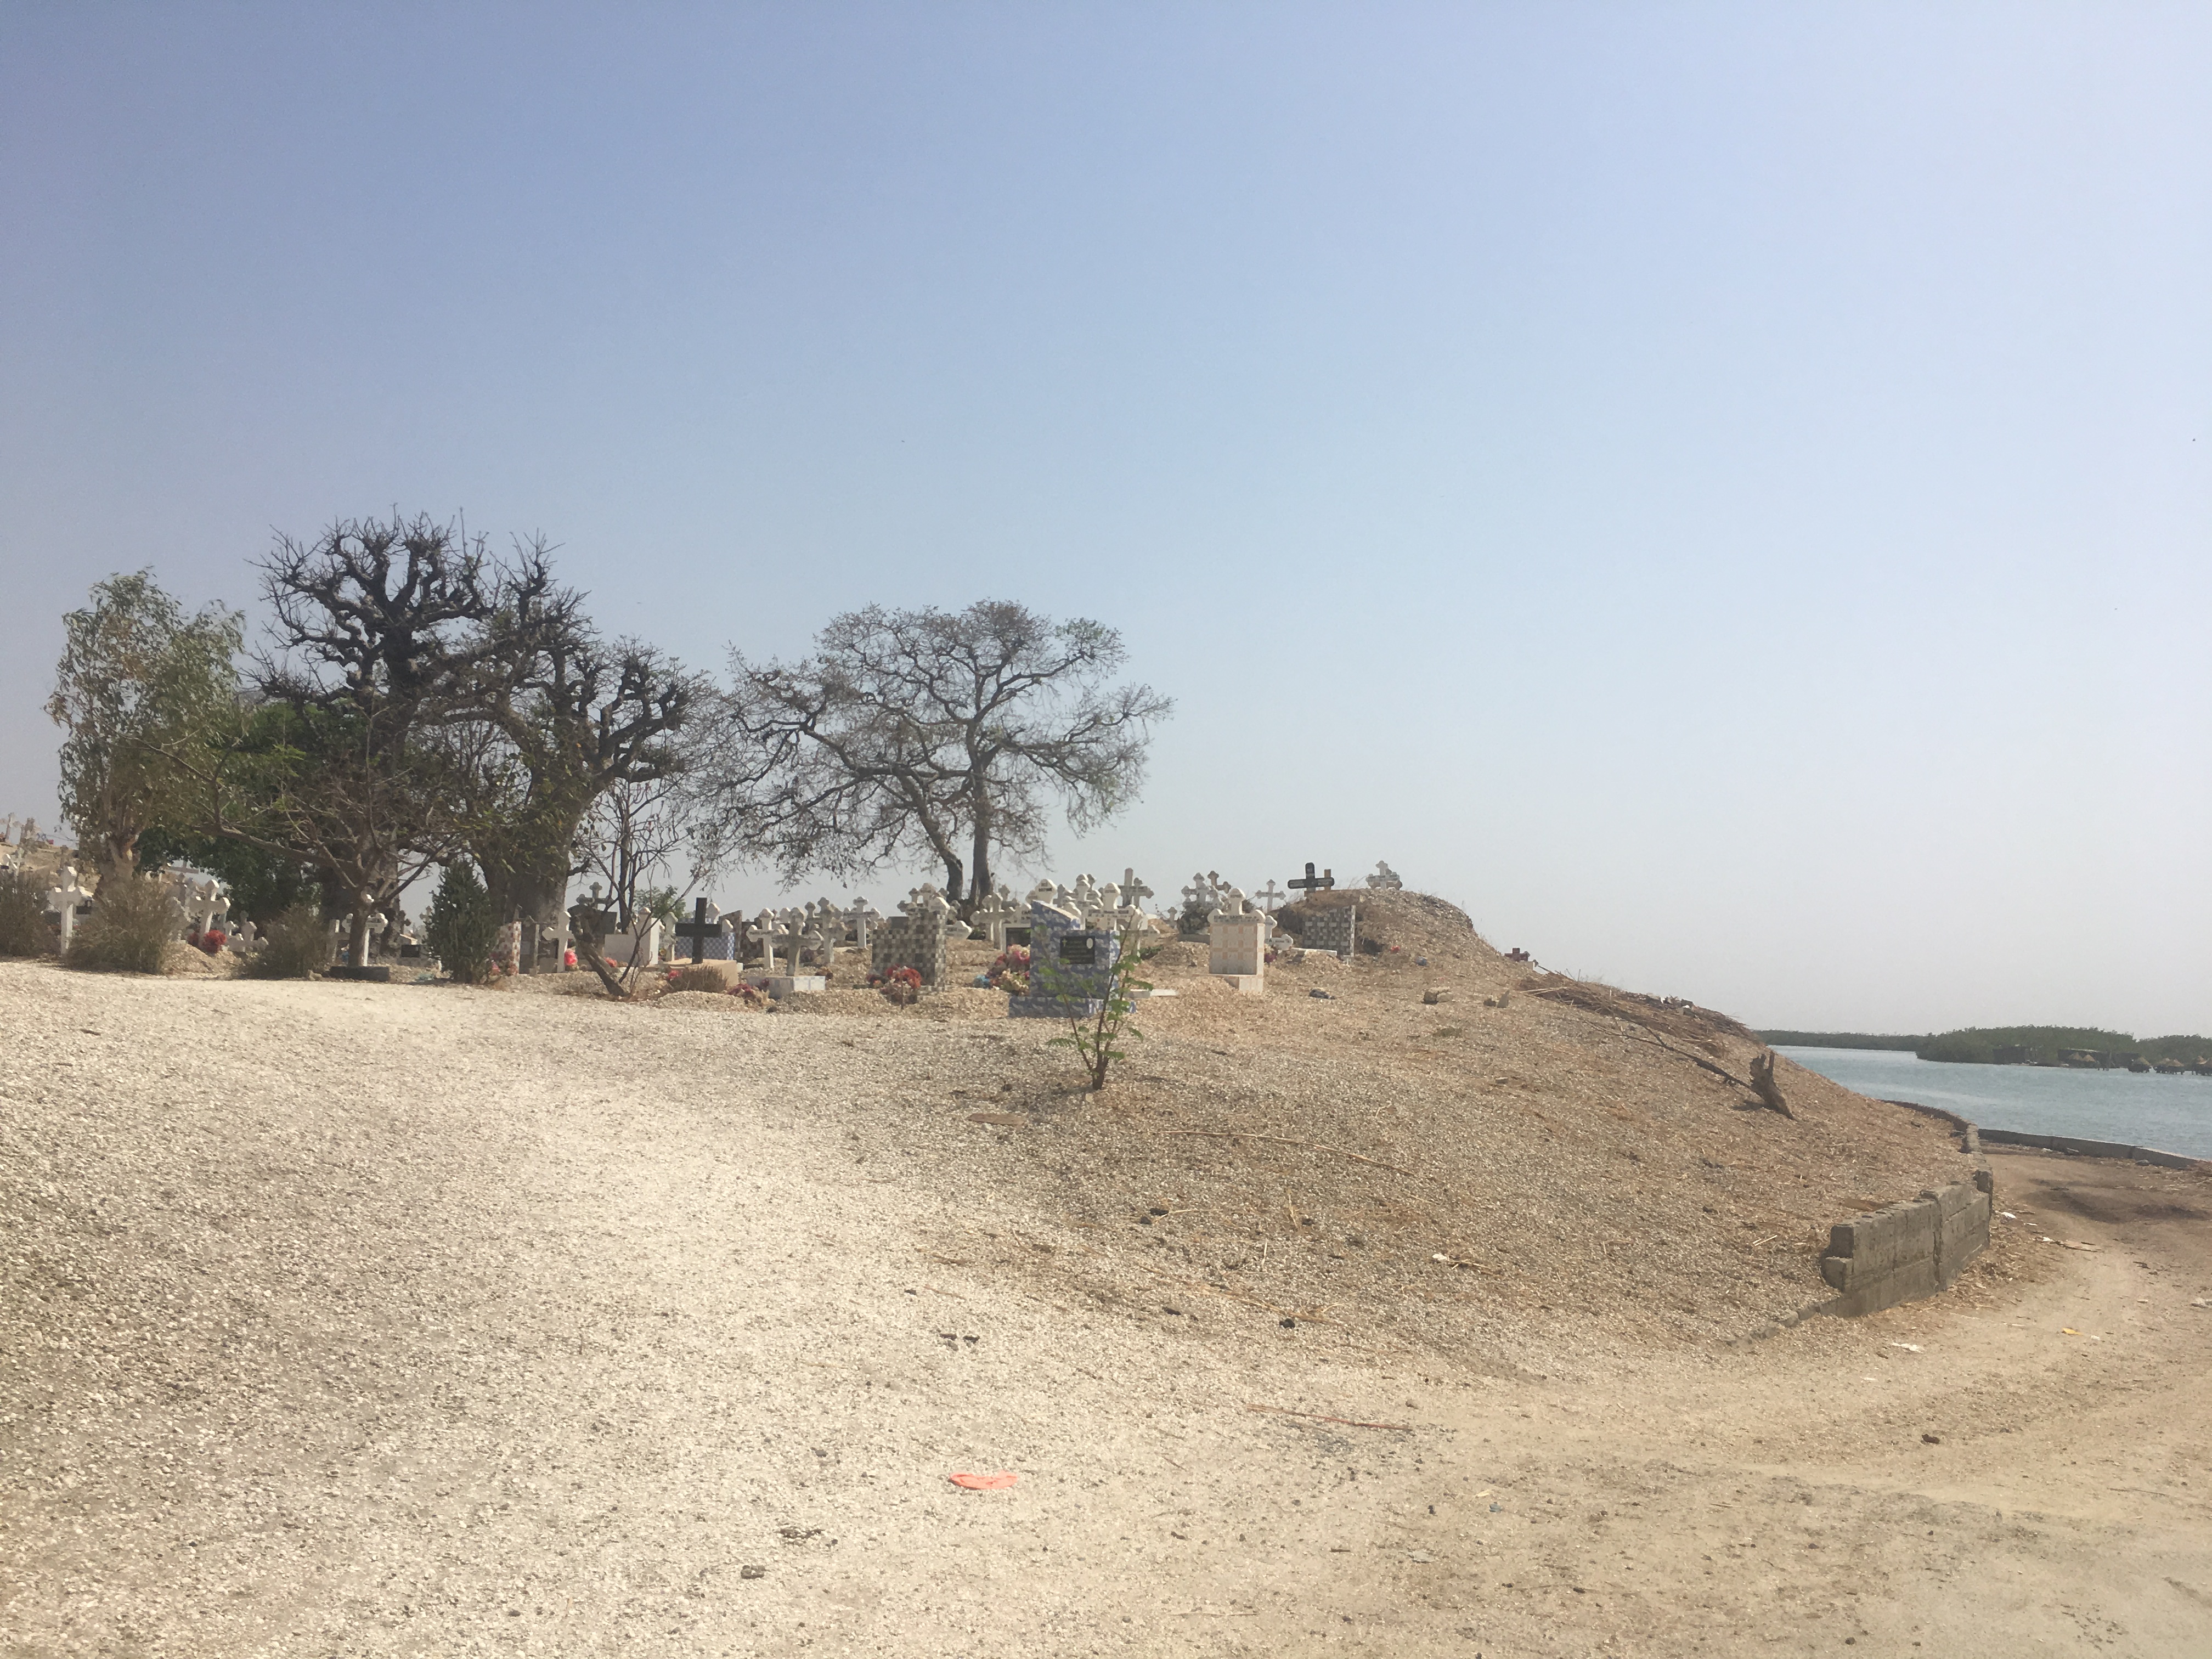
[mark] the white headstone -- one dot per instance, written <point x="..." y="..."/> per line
<point x="765" y="933"/>
<point x="1235" y="941"/>
<point x="860" y="918"/>
<point x="995" y="911"/>
<point x="64" y="900"/>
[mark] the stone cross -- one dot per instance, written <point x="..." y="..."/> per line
<point x="1271" y="897"/>
<point x="1087" y="897"/>
<point x="927" y="901"/>
<point x="1133" y="892"/>
<point x="242" y="939"/>
<point x="1314" y="884"/>
<point x="992" y="914"/>
<point x="65" y="899"/>
<point x="824" y="930"/>
<point x="766" y="932"/>
<point x="1384" y="875"/>
<point x="791" y="933"/>
<point x="862" y="917"/>
<point x="1233" y="903"/>
<point x="203" y="898"/>
<point x="1199" y="895"/>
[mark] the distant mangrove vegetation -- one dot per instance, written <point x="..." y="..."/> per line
<point x="2018" y="1045"/>
<point x="1839" y="1040"/>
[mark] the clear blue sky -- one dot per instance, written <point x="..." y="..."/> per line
<point x="1720" y="492"/>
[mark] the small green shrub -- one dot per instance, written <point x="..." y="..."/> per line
<point x="698" y="979"/>
<point x="461" y="928"/>
<point x="133" y="919"/>
<point x="296" y="944"/>
<point x="1093" y="1038"/>
<point x="23" y="930"/>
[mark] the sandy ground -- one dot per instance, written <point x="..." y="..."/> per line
<point x="353" y="1321"/>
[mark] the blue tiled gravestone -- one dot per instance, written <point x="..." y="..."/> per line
<point x="1071" y="967"/>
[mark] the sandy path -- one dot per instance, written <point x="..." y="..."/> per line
<point x="348" y="1321"/>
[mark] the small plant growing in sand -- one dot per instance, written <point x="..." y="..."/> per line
<point x="295" y="944"/>
<point x="1093" y="1038"/>
<point x="697" y="977"/>
<point x="133" y="920"/>
<point x="461" y="928"/>
<point x="23" y="930"/>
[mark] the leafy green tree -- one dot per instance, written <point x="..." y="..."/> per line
<point x="140" y="686"/>
<point x="264" y="885"/>
<point x="463" y="929"/>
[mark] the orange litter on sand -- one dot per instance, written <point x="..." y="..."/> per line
<point x="998" y="1482"/>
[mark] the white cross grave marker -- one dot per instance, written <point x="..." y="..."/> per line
<point x="863" y="917"/>
<point x="992" y="914"/>
<point x="65" y="899"/>
<point x="762" y="933"/>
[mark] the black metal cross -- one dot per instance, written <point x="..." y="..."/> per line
<point x="699" y="930"/>
<point x="1312" y="882"/>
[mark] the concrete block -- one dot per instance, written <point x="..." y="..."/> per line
<point x="2167" y="1160"/>
<point x="1052" y="1008"/>
<point x="728" y="974"/>
<point x="783" y="985"/>
<point x="1907" y="1284"/>
<point x="1906" y="1251"/>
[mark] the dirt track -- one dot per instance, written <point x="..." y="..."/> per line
<point x="342" y="1321"/>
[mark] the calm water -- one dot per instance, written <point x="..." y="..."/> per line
<point x="2173" y="1114"/>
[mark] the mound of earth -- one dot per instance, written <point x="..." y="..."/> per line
<point x="1394" y="921"/>
<point x="1493" y="1182"/>
<point x="389" y="1320"/>
<point x="1522" y="1168"/>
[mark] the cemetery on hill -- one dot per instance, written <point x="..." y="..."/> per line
<point x="577" y="1257"/>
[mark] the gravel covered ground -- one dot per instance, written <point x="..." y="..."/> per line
<point x="347" y="1320"/>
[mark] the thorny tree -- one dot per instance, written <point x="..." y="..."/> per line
<point x="568" y="717"/>
<point x="631" y="830"/>
<point x="931" y="733"/>
<point x="350" y="758"/>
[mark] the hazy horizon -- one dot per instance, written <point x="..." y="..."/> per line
<point x="1718" y="492"/>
